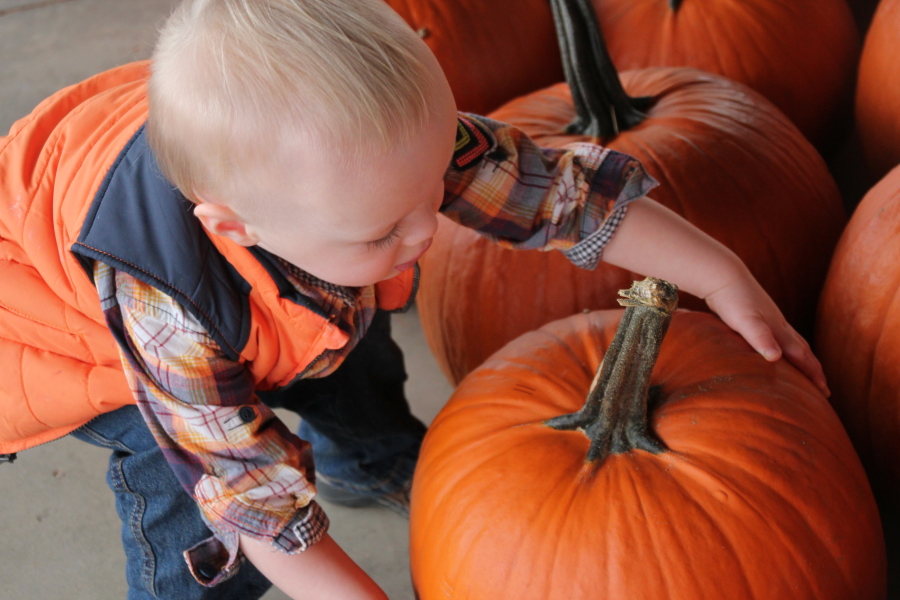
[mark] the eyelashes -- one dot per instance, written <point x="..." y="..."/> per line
<point x="385" y="242"/>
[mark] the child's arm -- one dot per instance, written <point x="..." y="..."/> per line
<point x="572" y="198"/>
<point x="242" y="466"/>
<point x="321" y="571"/>
<point x="655" y="241"/>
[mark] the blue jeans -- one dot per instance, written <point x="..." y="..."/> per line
<point x="159" y="519"/>
<point x="363" y="435"/>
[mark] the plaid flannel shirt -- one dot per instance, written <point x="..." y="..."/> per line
<point x="195" y="399"/>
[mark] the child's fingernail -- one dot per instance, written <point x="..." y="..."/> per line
<point x="771" y="354"/>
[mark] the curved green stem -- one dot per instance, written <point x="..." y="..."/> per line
<point x="603" y="107"/>
<point x="614" y="416"/>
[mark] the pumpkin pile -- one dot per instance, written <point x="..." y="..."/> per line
<point x="743" y="481"/>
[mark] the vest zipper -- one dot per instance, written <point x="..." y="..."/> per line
<point x="300" y="375"/>
<point x="412" y="293"/>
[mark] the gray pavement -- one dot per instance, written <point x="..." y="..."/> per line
<point x="59" y="530"/>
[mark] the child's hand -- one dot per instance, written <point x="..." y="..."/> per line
<point x="748" y="309"/>
<point x="654" y="240"/>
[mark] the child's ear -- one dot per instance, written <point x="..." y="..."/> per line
<point x="221" y="220"/>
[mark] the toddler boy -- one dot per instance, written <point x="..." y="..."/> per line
<point x="231" y="235"/>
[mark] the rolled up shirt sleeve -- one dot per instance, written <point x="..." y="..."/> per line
<point x="247" y="472"/>
<point x="572" y="199"/>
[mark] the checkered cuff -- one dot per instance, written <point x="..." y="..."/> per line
<point x="307" y="528"/>
<point x="586" y="253"/>
<point x="216" y="559"/>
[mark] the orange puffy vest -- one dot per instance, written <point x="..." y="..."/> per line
<point x="60" y="365"/>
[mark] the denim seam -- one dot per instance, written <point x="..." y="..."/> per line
<point x="104" y="441"/>
<point x="148" y="562"/>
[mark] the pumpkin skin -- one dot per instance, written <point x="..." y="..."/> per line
<point x="486" y="64"/>
<point x="858" y="331"/>
<point x="726" y="159"/>
<point x="751" y="501"/>
<point x="878" y="91"/>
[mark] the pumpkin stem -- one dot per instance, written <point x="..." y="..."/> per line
<point x="614" y="416"/>
<point x="675" y="5"/>
<point x="603" y="107"/>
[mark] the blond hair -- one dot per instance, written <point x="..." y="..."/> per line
<point x="231" y="80"/>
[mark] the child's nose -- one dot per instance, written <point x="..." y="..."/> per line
<point x="423" y="228"/>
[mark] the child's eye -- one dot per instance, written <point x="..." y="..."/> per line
<point x="385" y="242"/>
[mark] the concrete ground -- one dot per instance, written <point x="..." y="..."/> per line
<point x="58" y="523"/>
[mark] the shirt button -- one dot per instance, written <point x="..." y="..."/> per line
<point x="247" y="414"/>
<point x="207" y="571"/>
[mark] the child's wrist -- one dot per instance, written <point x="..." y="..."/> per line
<point x="728" y="271"/>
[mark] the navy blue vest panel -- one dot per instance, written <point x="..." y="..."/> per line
<point x="285" y="288"/>
<point x="141" y="224"/>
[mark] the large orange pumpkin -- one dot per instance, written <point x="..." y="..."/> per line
<point x="748" y="489"/>
<point x="727" y="160"/>
<point x="858" y="330"/>
<point x="878" y="90"/>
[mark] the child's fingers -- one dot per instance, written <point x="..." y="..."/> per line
<point x="761" y="323"/>
<point x="760" y="337"/>
<point x="798" y="352"/>
<point x="785" y="341"/>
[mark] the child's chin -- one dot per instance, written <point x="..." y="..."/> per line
<point x="394" y="272"/>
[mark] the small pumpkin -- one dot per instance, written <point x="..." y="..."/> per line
<point x="742" y="484"/>
<point x="878" y="91"/>
<point x="726" y="158"/>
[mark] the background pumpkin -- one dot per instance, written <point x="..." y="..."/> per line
<point x="878" y="90"/>
<point x="858" y="330"/>
<point x="801" y="54"/>
<point x="858" y="341"/>
<point x="490" y="50"/>
<point x="751" y="500"/>
<point x="726" y="159"/>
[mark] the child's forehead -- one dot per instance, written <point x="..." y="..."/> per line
<point x="425" y="153"/>
<point x="361" y="191"/>
<point x="357" y="206"/>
